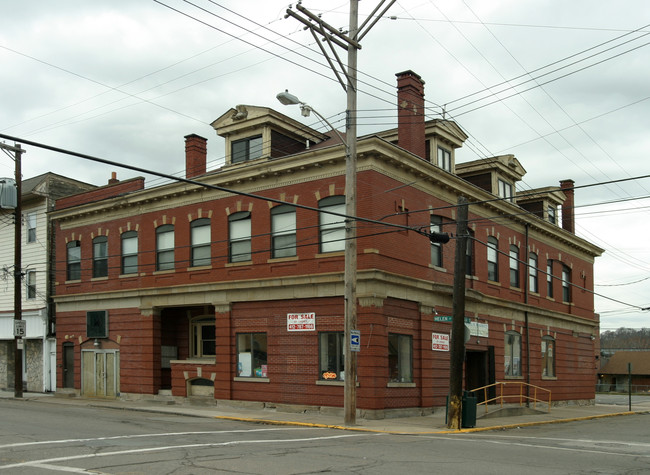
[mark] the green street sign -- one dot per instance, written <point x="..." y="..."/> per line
<point x="448" y="318"/>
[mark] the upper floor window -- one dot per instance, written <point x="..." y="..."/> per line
<point x="505" y="189"/>
<point x="469" y="253"/>
<point x="512" y="354"/>
<point x="332" y="227"/>
<point x="200" y="241"/>
<point x="400" y="358"/>
<point x="73" y="271"/>
<point x="552" y="215"/>
<point x="100" y="256"/>
<point x="436" y="247"/>
<point x="165" y="247"/>
<point x="514" y="266"/>
<point x="31" y="284"/>
<point x="493" y="259"/>
<point x="246" y="149"/>
<point x="444" y="159"/>
<point x="239" y="232"/>
<point x="549" y="278"/>
<point x="31" y="227"/>
<point x="548" y="356"/>
<point x="203" y="334"/>
<point x="129" y="252"/>
<point x="533" y="285"/>
<point x="283" y="231"/>
<point x="566" y="284"/>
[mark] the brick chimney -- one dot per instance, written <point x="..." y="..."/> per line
<point x="410" y="113"/>
<point x="113" y="179"/>
<point x="196" y="150"/>
<point x="568" y="216"/>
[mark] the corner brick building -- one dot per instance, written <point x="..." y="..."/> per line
<point x="194" y="291"/>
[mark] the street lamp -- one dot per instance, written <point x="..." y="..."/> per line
<point x="350" y="273"/>
<point x="288" y="99"/>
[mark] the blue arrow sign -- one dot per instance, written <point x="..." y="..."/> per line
<point x="355" y="340"/>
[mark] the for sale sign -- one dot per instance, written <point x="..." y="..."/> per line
<point x="439" y="342"/>
<point x="301" y="322"/>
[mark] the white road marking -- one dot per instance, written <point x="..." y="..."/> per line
<point x="175" y="447"/>
<point x="136" y="436"/>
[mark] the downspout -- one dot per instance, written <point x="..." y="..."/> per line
<point x="526" y="290"/>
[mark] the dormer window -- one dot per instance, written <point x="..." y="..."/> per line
<point x="505" y="190"/>
<point x="551" y="215"/>
<point x="444" y="159"/>
<point x="246" y="149"/>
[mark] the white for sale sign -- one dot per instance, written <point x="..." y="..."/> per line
<point x="439" y="342"/>
<point x="301" y="322"/>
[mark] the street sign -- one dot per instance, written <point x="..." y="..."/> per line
<point x="355" y="340"/>
<point x="448" y="318"/>
<point x="20" y="328"/>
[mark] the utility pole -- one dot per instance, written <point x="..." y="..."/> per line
<point x="350" y="42"/>
<point x="457" y="354"/>
<point x="350" y="276"/>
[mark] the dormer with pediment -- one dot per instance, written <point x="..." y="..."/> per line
<point x="498" y="175"/>
<point x="542" y="202"/>
<point x="442" y="138"/>
<point x="260" y="132"/>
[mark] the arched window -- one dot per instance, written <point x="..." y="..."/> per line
<point x="512" y="354"/>
<point x="533" y="284"/>
<point x="129" y="252"/>
<point x="566" y="284"/>
<point x="201" y="241"/>
<point x="283" y="231"/>
<point x="493" y="259"/>
<point x="100" y="256"/>
<point x="332" y="227"/>
<point x="73" y="260"/>
<point x="165" y="247"/>
<point x="514" y="266"/>
<point x="239" y="233"/>
<point x="436" y="247"/>
<point x="548" y="356"/>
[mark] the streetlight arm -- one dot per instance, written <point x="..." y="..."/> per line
<point x="289" y="99"/>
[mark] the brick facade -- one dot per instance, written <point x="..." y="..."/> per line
<point x="399" y="291"/>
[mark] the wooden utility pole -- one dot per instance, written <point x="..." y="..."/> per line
<point x="350" y="42"/>
<point x="457" y="354"/>
<point x="350" y="276"/>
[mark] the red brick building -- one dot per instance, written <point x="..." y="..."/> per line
<point x="195" y="291"/>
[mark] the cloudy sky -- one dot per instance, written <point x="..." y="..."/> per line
<point x="565" y="86"/>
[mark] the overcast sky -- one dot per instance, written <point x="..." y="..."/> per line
<point x="564" y="86"/>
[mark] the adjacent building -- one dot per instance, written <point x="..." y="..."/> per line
<point x="230" y="286"/>
<point x="38" y="261"/>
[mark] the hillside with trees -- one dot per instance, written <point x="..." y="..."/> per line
<point x="626" y="338"/>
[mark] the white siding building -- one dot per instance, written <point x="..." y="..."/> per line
<point x="39" y="355"/>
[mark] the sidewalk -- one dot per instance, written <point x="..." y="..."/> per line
<point x="429" y="424"/>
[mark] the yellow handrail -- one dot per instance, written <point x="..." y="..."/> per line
<point x="522" y="397"/>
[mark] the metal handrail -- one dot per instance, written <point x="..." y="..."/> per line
<point x="522" y="397"/>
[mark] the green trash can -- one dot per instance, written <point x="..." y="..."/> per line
<point x="468" y="416"/>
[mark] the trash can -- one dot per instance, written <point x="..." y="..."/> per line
<point x="468" y="416"/>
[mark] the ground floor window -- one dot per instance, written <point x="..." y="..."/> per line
<point x="252" y="355"/>
<point x="400" y="358"/>
<point x="548" y="356"/>
<point x="330" y="356"/>
<point x="512" y="353"/>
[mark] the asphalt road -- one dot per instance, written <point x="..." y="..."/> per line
<point x="37" y="438"/>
